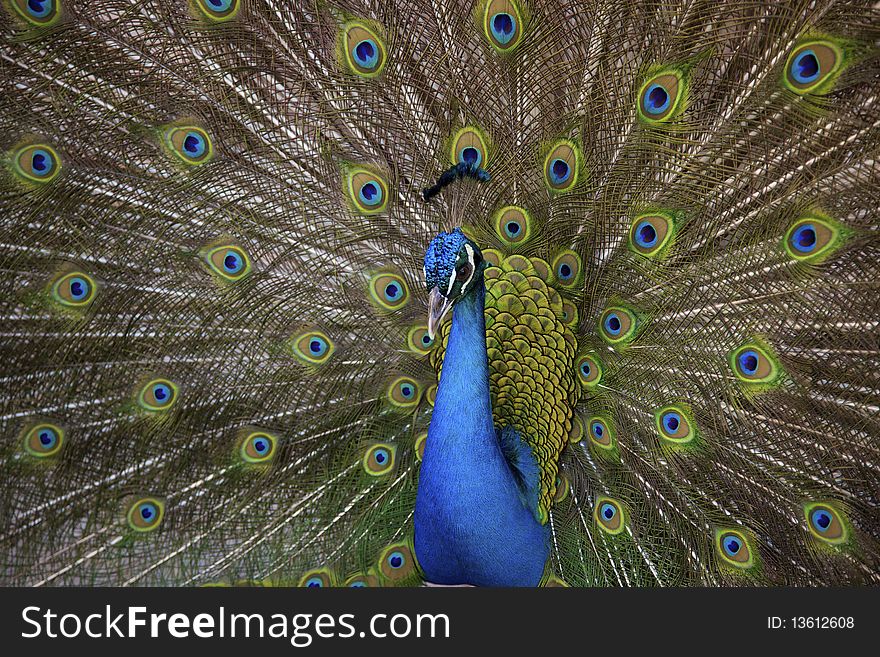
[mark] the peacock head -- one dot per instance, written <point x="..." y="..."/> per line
<point x="453" y="269"/>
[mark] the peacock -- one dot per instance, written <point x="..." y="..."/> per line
<point x="398" y="292"/>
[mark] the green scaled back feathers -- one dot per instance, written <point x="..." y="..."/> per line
<point x="216" y="361"/>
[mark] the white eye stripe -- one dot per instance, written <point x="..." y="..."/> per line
<point x="470" y="255"/>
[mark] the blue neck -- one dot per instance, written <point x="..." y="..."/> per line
<point x="471" y="525"/>
<point x="463" y="392"/>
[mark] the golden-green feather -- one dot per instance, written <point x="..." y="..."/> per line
<point x="215" y="366"/>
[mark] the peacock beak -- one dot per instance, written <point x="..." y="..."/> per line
<point x="438" y="306"/>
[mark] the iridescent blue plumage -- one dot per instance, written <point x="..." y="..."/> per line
<point x="475" y="519"/>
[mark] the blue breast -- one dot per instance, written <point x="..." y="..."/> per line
<point x="471" y="524"/>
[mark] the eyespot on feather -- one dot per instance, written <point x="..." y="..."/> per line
<point x="317" y="578"/>
<point x="397" y="563"/>
<point x="562" y="166"/>
<point x="813" y="66"/>
<point x="513" y="225"/>
<point x="37" y="163"/>
<point x="567" y="269"/>
<point x="675" y="424"/>
<point x="158" y="395"/>
<point x="826" y="522"/>
<point x="651" y="234"/>
<point x="43" y="440"/>
<point x="609" y="515"/>
<point x="145" y="514"/>
<point x="366" y="190"/>
<point x="404" y="392"/>
<point x="257" y="447"/>
<point x="618" y="325"/>
<point x="74" y="289"/>
<point x="388" y="291"/>
<point x="39" y="13"/>
<point x="734" y="548"/>
<point x="813" y="239"/>
<point x="661" y="97"/>
<point x="755" y="365"/>
<point x="217" y="11"/>
<point x="503" y="25"/>
<point x="589" y="371"/>
<point x="189" y="144"/>
<point x="379" y="459"/>
<point x="363" y="580"/>
<point x="469" y="146"/>
<point x="312" y="347"/>
<point x="228" y="261"/>
<point x="364" y="51"/>
<point x="418" y="341"/>
<point x="419" y="445"/>
<point x="601" y="433"/>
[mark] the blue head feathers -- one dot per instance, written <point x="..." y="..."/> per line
<point x="442" y="257"/>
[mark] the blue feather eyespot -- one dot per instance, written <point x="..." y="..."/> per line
<point x="364" y="51"/>
<point x="674" y="424"/>
<point x="378" y="460"/>
<point x="312" y="347"/>
<point x="660" y="97"/>
<point x="190" y="144"/>
<point x="589" y="370"/>
<point x="656" y="99"/>
<point x="257" y="447"/>
<point x="650" y="234"/>
<point x="363" y="580"/>
<point x="567" y="269"/>
<point x="145" y="514"/>
<point x="469" y="146"/>
<point x="804" y="238"/>
<point x="367" y="191"/>
<point x="36" y="163"/>
<point x="396" y="562"/>
<point x="38" y="12"/>
<point x="561" y="166"/>
<point x="218" y="11"/>
<point x="513" y="225"/>
<point x="826" y="522"/>
<point x="43" y="440"/>
<point x="388" y="291"/>
<point x="812" y="239"/>
<point x="502" y="24"/>
<point x="404" y="392"/>
<point x="812" y="67"/>
<point x="157" y="395"/>
<point x="617" y="325"/>
<point x="805" y="67"/>
<point x="74" y="290"/>
<point x="754" y="363"/>
<point x="601" y="434"/>
<point x="229" y="261"/>
<point x="734" y="548"/>
<point x="418" y="340"/>
<point x="609" y="515"/>
<point x="318" y="578"/>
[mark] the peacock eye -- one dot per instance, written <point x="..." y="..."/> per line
<point x="463" y="272"/>
<point x="37" y="12"/>
<point x="258" y="447"/>
<point x="189" y="143"/>
<point x="145" y="514"/>
<point x="218" y="10"/>
<point x="502" y="22"/>
<point x="364" y="50"/>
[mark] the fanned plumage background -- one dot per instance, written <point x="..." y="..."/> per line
<point x="740" y="163"/>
